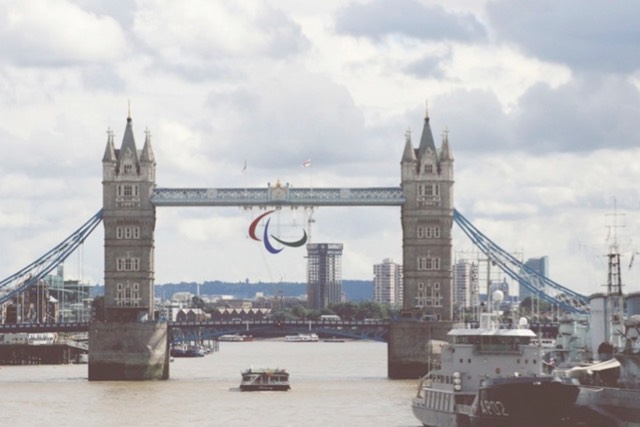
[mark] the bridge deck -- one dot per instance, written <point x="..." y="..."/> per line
<point x="278" y="196"/>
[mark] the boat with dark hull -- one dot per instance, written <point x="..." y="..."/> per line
<point x="524" y="402"/>
<point x="187" y="352"/>
<point x="491" y="376"/>
<point x="265" y="380"/>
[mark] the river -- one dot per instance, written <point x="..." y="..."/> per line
<point x="332" y="384"/>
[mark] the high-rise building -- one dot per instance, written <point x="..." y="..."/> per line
<point x="540" y="266"/>
<point x="387" y="283"/>
<point x="324" y="274"/>
<point x="465" y="284"/>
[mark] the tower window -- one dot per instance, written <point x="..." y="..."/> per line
<point x="428" y="263"/>
<point x="128" y="295"/>
<point x="128" y="232"/>
<point x="128" y="264"/>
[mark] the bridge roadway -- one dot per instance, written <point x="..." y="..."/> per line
<point x="375" y="329"/>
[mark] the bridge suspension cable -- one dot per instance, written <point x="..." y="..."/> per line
<point x="541" y="286"/>
<point x="37" y="270"/>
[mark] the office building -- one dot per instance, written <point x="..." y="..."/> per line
<point x="465" y="284"/>
<point x="387" y="283"/>
<point x="538" y="265"/>
<point x="324" y="275"/>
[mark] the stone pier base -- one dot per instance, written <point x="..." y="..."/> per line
<point x="407" y="351"/>
<point x="128" y="351"/>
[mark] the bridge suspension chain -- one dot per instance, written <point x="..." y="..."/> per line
<point x="37" y="270"/>
<point x="541" y="286"/>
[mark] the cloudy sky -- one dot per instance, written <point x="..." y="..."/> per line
<point x="541" y="101"/>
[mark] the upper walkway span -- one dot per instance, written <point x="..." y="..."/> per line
<point x="278" y="195"/>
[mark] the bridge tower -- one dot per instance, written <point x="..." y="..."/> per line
<point x="128" y="343"/>
<point x="427" y="218"/>
<point x="129" y="222"/>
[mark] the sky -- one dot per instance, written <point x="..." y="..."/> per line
<point x="541" y="102"/>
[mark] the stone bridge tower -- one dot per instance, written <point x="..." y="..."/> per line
<point x="128" y="177"/>
<point x="427" y="218"/>
<point x="128" y="343"/>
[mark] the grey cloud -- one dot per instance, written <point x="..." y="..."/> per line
<point x="600" y="35"/>
<point x="474" y="119"/>
<point x="304" y="116"/>
<point x="286" y="36"/>
<point x="122" y="11"/>
<point x="57" y="35"/>
<point x="204" y="56"/>
<point x="586" y="114"/>
<point x="102" y="78"/>
<point x="429" y="66"/>
<point x="381" y="18"/>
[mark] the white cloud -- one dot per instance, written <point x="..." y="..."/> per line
<point x="57" y="33"/>
<point x="542" y="143"/>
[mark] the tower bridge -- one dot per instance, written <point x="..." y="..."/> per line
<point x="132" y="344"/>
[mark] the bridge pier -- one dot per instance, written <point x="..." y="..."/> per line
<point x="408" y="351"/>
<point x="128" y="351"/>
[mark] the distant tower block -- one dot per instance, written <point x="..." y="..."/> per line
<point x="128" y="344"/>
<point x="427" y="218"/>
<point x="324" y="275"/>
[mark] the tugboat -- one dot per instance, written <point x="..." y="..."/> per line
<point x="492" y="376"/>
<point x="265" y="379"/>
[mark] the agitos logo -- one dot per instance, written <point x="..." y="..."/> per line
<point x="266" y="235"/>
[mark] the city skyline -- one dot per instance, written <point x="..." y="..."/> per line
<point x="539" y="100"/>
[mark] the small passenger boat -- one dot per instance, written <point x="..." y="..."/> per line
<point x="265" y="379"/>
<point x="187" y="352"/>
<point x="235" y="338"/>
<point x="301" y="338"/>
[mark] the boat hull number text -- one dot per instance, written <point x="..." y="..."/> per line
<point x="493" y="407"/>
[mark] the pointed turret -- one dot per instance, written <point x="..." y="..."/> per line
<point x="147" y="152"/>
<point x="445" y="151"/>
<point x="426" y="140"/>
<point x="128" y="149"/>
<point x="409" y="154"/>
<point x="110" y="150"/>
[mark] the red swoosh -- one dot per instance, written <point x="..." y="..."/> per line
<point x="254" y="224"/>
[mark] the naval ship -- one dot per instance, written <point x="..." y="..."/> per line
<point x="493" y="376"/>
